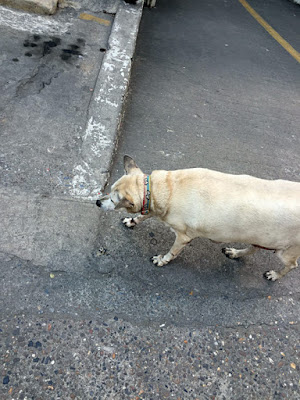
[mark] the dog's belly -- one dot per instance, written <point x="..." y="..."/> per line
<point x="261" y="239"/>
<point x="234" y="224"/>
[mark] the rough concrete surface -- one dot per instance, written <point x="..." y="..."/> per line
<point x="110" y="359"/>
<point x="84" y="314"/>
<point x="47" y="7"/>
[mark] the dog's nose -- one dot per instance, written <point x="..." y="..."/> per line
<point x="98" y="203"/>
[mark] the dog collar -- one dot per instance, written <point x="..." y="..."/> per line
<point x="147" y="196"/>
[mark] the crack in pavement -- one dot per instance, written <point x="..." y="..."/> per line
<point x="41" y="77"/>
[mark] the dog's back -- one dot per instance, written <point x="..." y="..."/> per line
<point x="230" y="208"/>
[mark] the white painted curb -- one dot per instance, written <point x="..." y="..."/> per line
<point x="34" y="24"/>
<point x="47" y="7"/>
<point x="100" y="136"/>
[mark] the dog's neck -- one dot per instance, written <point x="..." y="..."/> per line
<point x="147" y="195"/>
<point x="159" y="193"/>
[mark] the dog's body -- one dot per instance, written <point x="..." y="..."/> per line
<point x="222" y="207"/>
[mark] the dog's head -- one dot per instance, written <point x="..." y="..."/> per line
<point x="127" y="191"/>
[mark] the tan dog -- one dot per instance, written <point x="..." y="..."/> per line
<point x="224" y="208"/>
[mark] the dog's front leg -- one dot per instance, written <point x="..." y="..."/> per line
<point x="180" y="242"/>
<point x="131" y="222"/>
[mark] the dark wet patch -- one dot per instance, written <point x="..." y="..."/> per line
<point x="46" y="48"/>
<point x="56" y="40"/>
<point x="73" y="52"/>
<point x="45" y="45"/>
<point x="65" y="57"/>
<point x="49" y="44"/>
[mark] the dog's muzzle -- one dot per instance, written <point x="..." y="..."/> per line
<point x="105" y="203"/>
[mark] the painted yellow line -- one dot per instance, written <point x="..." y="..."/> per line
<point x="89" y="17"/>
<point x="294" y="53"/>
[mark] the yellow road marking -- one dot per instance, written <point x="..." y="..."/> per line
<point x="294" y="53"/>
<point x="89" y="17"/>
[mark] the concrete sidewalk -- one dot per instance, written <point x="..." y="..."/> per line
<point x="64" y="79"/>
<point x="63" y="83"/>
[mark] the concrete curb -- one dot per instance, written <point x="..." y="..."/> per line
<point x="46" y="7"/>
<point x="105" y="112"/>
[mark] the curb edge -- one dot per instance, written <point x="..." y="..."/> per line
<point x="100" y="137"/>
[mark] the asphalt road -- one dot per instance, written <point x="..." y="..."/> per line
<point x="86" y="315"/>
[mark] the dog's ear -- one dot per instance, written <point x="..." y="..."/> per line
<point x="130" y="166"/>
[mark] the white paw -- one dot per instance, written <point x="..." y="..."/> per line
<point x="129" y="222"/>
<point x="159" y="261"/>
<point x="230" y="252"/>
<point x="272" y="275"/>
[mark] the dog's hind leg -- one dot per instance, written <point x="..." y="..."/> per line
<point x="180" y="242"/>
<point x="131" y="222"/>
<point x="230" y="252"/>
<point x="289" y="258"/>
